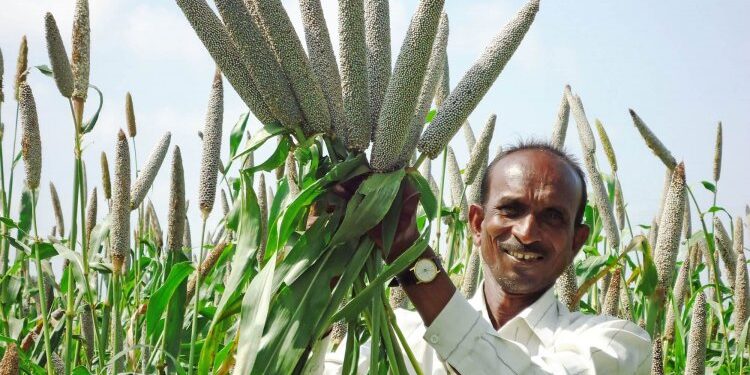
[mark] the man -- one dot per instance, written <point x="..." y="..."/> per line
<point x="529" y="229"/>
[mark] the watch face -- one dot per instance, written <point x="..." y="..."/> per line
<point x="425" y="270"/>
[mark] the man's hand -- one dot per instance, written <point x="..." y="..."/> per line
<point x="406" y="229"/>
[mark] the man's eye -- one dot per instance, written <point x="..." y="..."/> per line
<point x="554" y="217"/>
<point x="508" y="210"/>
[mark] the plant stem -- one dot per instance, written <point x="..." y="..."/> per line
<point x="438" y="224"/>
<point x="419" y="161"/>
<point x="196" y="304"/>
<point x="5" y="250"/>
<point x="717" y="290"/>
<point x="40" y="288"/>
<point x="117" y="345"/>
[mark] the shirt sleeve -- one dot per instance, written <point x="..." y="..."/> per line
<point x="470" y="344"/>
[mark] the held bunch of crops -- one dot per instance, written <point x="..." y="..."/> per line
<point x="290" y="271"/>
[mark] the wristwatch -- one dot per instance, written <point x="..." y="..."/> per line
<point x="423" y="271"/>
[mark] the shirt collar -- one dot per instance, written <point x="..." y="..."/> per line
<point x="542" y="317"/>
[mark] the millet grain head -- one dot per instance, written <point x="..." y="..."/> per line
<point x="670" y="227"/>
<point x="427" y="92"/>
<point x="444" y="85"/>
<point x="176" y="218"/>
<point x="57" y="209"/>
<point x="31" y="144"/>
<point x="601" y="199"/>
<point x="717" y="153"/>
<point x="723" y="244"/>
<point x="475" y="83"/>
<point x="353" y="63"/>
<point x="606" y="145"/>
<point x="403" y="89"/>
<point x="210" y="157"/>
<point x="106" y="183"/>
<point x="260" y="61"/>
<point x="567" y="287"/>
<point x="91" y="211"/>
<point x="561" y="124"/>
<point x="22" y="66"/>
<point x="58" y="58"/>
<point x="612" y="299"/>
<point x="323" y="63"/>
<point x="9" y="363"/>
<point x="148" y="173"/>
<point x="378" y="43"/>
<point x="619" y="205"/>
<point x="119" y="233"/>
<point x="458" y="198"/>
<point x="130" y="116"/>
<point x="216" y="39"/>
<point x="81" y="50"/>
<point x="653" y="142"/>
<point x="696" y="350"/>
<point x="477" y="158"/>
<point x="741" y="296"/>
<point x="293" y="60"/>
<point x="657" y="358"/>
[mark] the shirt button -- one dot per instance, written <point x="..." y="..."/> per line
<point x="434" y="339"/>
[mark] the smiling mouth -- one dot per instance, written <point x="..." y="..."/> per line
<point x="523" y="257"/>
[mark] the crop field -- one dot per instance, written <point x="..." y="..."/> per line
<point x="292" y="270"/>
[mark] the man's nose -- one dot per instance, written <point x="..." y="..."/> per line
<point x="525" y="230"/>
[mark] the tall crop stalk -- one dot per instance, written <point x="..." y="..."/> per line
<point x="207" y="188"/>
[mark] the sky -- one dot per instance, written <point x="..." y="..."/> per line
<point x="683" y="67"/>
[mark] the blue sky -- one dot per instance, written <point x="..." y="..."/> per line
<point x="682" y="66"/>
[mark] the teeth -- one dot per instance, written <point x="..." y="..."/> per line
<point x="523" y="256"/>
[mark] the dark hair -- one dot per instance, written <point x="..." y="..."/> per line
<point x="540" y="145"/>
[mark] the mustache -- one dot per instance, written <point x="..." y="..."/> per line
<point x="513" y="244"/>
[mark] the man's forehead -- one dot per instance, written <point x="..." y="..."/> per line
<point x="534" y="169"/>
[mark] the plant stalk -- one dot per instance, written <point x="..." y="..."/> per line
<point x="40" y="288"/>
<point x="196" y="304"/>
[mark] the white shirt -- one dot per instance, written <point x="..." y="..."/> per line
<point x="544" y="338"/>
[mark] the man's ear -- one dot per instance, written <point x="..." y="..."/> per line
<point x="579" y="237"/>
<point x="476" y="216"/>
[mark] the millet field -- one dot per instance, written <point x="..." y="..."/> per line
<point x="284" y="270"/>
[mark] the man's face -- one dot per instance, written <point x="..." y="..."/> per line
<point x="526" y="230"/>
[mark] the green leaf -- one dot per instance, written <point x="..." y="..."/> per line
<point x="358" y="303"/>
<point x="9" y="223"/>
<point x="261" y="136"/>
<point x="709" y="186"/>
<point x="647" y="282"/>
<point x="428" y="200"/>
<point x="297" y="312"/>
<point x="98" y="235"/>
<point x="238" y="130"/>
<point x="175" y="309"/>
<point x="248" y="241"/>
<point x="277" y="158"/>
<point x="24" y="214"/>
<point x="75" y="260"/>
<point x="90" y="123"/>
<point x="592" y="265"/>
<point x="158" y="302"/>
<point x="430" y="115"/>
<point x="378" y="192"/>
<point x="46" y="70"/>
<point x="255" y="307"/>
